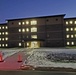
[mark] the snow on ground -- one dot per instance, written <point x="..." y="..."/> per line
<point x="6" y="52"/>
<point x="38" y="58"/>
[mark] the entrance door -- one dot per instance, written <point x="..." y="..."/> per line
<point x="34" y="44"/>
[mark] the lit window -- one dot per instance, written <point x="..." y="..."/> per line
<point x="3" y="27"/>
<point x="19" y="30"/>
<point x="71" y="29"/>
<point x="71" y="22"/>
<point x="19" y="44"/>
<point x="23" y="30"/>
<point x="34" y="29"/>
<point x="0" y="27"/>
<point x="6" y="45"/>
<point x="33" y="22"/>
<point x="75" y="35"/>
<point x="3" y="33"/>
<point x="6" y="33"/>
<point x="68" y="43"/>
<point x="2" y="39"/>
<point x="6" y="27"/>
<point x="75" y="22"/>
<point x="23" y="23"/>
<point x="72" y="36"/>
<point x="6" y="38"/>
<point x="67" y="36"/>
<point x="34" y="36"/>
<point x="74" y="29"/>
<point x="0" y="33"/>
<point x="2" y="45"/>
<point x="67" y="29"/>
<point x="27" y="22"/>
<point x="27" y="43"/>
<point x="72" y="43"/>
<point x="27" y="29"/>
<point x="19" y="23"/>
<point x="66" y="22"/>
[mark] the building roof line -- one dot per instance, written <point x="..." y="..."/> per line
<point x="70" y="18"/>
<point x="36" y="17"/>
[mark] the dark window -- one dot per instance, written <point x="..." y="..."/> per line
<point x="48" y="35"/>
<point x="19" y="37"/>
<point x="47" y="20"/>
<point x="23" y="36"/>
<point x="56" y="19"/>
<point x="27" y="37"/>
<point x="12" y="23"/>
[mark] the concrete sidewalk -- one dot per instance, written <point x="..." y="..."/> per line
<point x="11" y="63"/>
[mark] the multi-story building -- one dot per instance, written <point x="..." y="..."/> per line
<point x="45" y="31"/>
<point x="70" y="37"/>
<point x="3" y="35"/>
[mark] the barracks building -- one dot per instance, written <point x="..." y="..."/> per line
<point x="44" y="31"/>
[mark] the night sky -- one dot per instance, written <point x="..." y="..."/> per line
<point x="12" y="9"/>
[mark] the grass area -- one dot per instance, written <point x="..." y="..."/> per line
<point x="71" y="47"/>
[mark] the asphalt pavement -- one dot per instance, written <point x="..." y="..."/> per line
<point x="11" y="63"/>
<point x="35" y="73"/>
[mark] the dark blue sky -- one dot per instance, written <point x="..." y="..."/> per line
<point x="10" y="9"/>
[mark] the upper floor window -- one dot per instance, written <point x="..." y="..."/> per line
<point x="56" y="19"/>
<point x="23" y="23"/>
<point x="0" y="39"/>
<point x="67" y="36"/>
<point x="74" y="29"/>
<point x="67" y="29"/>
<point x="6" y="38"/>
<point x="0" y="33"/>
<point x="19" y="30"/>
<point x="6" y="33"/>
<point x="72" y="36"/>
<point x="27" y="22"/>
<point x="34" y="22"/>
<point x="23" y="30"/>
<point x="71" y="29"/>
<point x="75" y="35"/>
<point x="27" y="29"/>
<point x="3" y="27"/>
<point x="75" y="22"/>
<point x="66" y="22"/>
<point x="3" y="33"/>
<point x="0" y="27"/>
<point x="6" y="27"/>
<point x="3" y="39"/>
<point x="19" y="23"/>
<point x="34" y="36"/>
<point x="34" y="29"/>
<point x="71" y="22"/>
